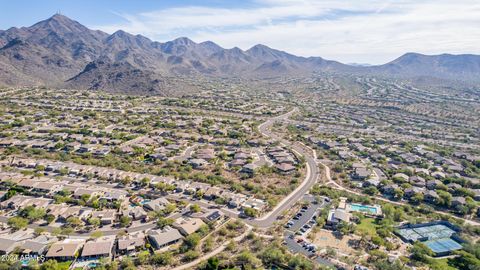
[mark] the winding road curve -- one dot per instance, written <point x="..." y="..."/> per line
<point x="310" y="177"/>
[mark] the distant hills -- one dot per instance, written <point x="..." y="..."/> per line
<point x="61" y="52"/>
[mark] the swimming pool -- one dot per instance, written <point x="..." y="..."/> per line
<point x="363" y="208"/>
<point x="145" y="201"/>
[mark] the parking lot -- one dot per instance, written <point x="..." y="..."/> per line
<point x="298" y="227"/>
<point x="305" y="217"/>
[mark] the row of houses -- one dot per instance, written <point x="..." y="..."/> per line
<point x="234" y="200"/>
<point x="28" y="243"/>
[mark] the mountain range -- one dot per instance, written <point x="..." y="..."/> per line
<point x="60" y="52"/>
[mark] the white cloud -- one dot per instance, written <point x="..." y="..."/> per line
<point x="371" y="31"/>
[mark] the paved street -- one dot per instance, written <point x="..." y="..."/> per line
<point x="310" y="177"/>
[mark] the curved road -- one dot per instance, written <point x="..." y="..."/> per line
<point x="310" y="177"/>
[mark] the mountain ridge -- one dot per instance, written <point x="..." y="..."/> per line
<point x="57" y="51"/>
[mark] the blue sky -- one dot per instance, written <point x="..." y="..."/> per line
<point x="360" y="31"/>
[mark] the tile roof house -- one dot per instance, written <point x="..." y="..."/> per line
<point x="107" y="216"/>
<point x="410" y="192"/>
<point x="48" y="187"/>
<point x="32" y="247"/>
<point x="8" y="245"/>
<point x="431" y="196"/>
<point x="156" y="205"/>
<point x="187" y="226"/>
<point x="458" y="201"/>
<point x="433" y="184"/>
<point x="131" y="242"/>
<point x="208" y="216"/>
<point x="79" y="192"/>
<point x="197" y="163"/>
<point x="98" y="248"/>
<point x="250" y="168"/>
<point x="361" y="173"/>
<point x="136" y="213"/>
<point x="417" y="181"/>
<point x="65" y="250"/>
<point x="163" y="238"/>
<point x="38" y="245"/>
<point x="285" y="168"/>
<point x="212" y="193"/>
<point x="20" y="201"/>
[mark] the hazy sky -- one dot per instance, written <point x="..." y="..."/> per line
<point x="360" y="31"/>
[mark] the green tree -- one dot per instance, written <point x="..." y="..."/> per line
<point x="250" y="212"/>
<point x="163" y="222"/>
<point x="465" y="260"/>
<point x="125" y="221"/>
<point x="191" y="241"/>
<point x="32" y="213"/>
<point x="247" y="260"/>
<point x="195" y="208"/>
<point x="143" y="257"/>
<point x="165" y="258"/>
<point x="74" y="222"/>
<point x="420" y="252"/>
<point x="371" y="190"/>
<point x="212" y="264"/>
<point x="49" y="218"/>
<point x="95" y="222"/>
<point x="96" y="234"/>
<point x="272" y="255"/>
<point x="445" y="198"/>
<point x="191" y="255"/>
<point x="17" y="223"/>
<point x="345" y="227"/>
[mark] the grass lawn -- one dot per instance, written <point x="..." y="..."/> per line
<point x="368" y="226"/>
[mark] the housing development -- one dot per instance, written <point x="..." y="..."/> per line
<point x="324" y="170"/>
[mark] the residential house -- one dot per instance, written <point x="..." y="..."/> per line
<point x="66" y="250"/>
<point x="361" y="173"/>
<point x="431" y="196"/>
<point x="165" y="237"/>
<point x="389" y="189"/>
<point x="98" y="248"/>
<point x="106" y="217"/>
<point x="458" y="201"/>
<point x="410" y="192"/>
<point x="433" y="184"/>
<point x="37" y="246"/>
<point x="131" y="242"/>
<point x="285" y="168"/>
<point x="250" y="168"/>
<point x="208" y="216"/>
<point x="212" y="193"/>
<point x="156" y="205"/>
<point x="417" y="181"/>
<point x="136" y="213"/>
<point x="8" y="245"/>
<point x="187" y="226"/>
<point x="197" y="163"/>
